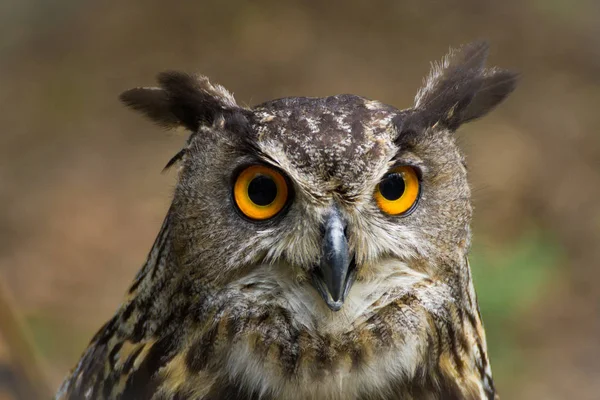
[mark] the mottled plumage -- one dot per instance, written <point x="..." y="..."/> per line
<point x="229" y="308"/>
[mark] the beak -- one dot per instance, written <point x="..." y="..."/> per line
<point x="334" y="275"/>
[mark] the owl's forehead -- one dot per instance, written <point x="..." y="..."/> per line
<point x="341" y="139"/>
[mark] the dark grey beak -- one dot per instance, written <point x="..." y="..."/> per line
<point x="335" y="274"/>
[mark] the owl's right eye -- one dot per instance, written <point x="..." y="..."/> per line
<point x="260" y="192"/>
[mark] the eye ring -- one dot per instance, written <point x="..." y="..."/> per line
<point x="398" y="192"/>
<point x="260" y="192"/>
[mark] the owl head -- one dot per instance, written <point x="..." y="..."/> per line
<point x="326" y="191"/>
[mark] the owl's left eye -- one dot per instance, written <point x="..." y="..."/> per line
<point x="260" y="192"/>
<point x="398" y="191"/>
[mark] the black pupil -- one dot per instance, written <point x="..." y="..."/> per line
<point x="392" y="186"/>
<point x="262" y="190"/>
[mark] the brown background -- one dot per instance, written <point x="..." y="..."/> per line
<point x="82" y="196"/>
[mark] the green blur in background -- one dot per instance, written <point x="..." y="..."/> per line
<point x="82" y="196"/>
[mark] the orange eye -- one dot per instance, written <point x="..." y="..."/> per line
<point x="260" y="192"/>
<point x="398" y="191"/>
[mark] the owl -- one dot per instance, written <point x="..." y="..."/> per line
<point x="315" y="248"/>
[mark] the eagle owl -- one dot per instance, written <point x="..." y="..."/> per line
<point x="315" y="248"/>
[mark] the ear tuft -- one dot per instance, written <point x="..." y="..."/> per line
<point x="181" y="100"/>
<point x="460" y="89"/>
<point x="151" y="101"/>
<point x="455" y="68"/>
<point x="496" y="85"/>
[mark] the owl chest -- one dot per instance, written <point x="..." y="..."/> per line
<point x="285" y="341"/>
<point x="322" y="368"/>
<point x="335" y="360"/>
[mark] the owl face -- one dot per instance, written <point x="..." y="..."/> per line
<point x="326" y="191"/>
<point x="339" y="188"/>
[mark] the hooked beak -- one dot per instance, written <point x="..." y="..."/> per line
<point x="334" y="275"/>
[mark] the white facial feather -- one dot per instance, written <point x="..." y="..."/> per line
<point x="309" y="312"/>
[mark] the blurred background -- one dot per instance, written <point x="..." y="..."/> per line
<point x="82" y="195"/>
